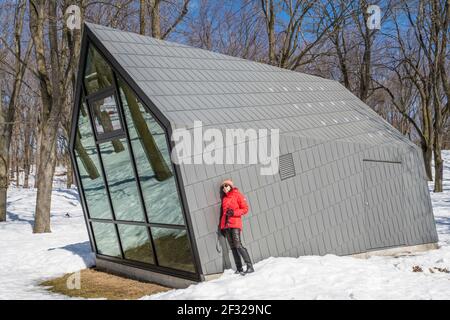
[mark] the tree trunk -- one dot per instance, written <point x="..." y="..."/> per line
<point x="17" y="171"/>
<point x="26" y="162"/>
<point x="12" y="164"/>
<point x="427" y="152"/>
<point x="438" y="163"/>
<point x="56" y="50"/>
<point x="3" y="187"/>
<point x="16" y="155"/>
<point x="366" y="65"/>
<point x="142" y="9"/>
<point x="47" y="163"/>
<point x="269" y="13"/>
<point x="28" y="138"/>
<point x="3" y="176"/>
<point x="156" y="24"/>
<point x="52" y="86"/>
<point x="37" y="156"/>
<point x="69" y="175"/>
<point x="3" y="203"/>
<point x="26" y="179"/>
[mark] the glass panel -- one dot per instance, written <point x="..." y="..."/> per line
<point x="98" y="74"/>
<point x="153" y="162"/>
<point x="135" y="243"/>
<point x="121" y="181"/>
<point x="106" y="239"/>
<point x="106" y="116"/>
<point x="89" y="169"/>
<point x="172" y="249"/>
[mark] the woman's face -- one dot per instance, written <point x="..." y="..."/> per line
<point x="226" y="188"/>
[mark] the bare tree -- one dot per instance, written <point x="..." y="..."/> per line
<point x="367" y="36"/>
<point x="71" y="42"/>
<point x="294" y="29"/>
<point x="354" y="46"/>
<point x="439" y="36"/>
<point x="221" y="27"/>
<point x="154" y="7"/>
<point x="54" y="73"/>
<point x="422" y="55"/>
<point x="7" y="115"/>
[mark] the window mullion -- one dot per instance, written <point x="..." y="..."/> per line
<point x="105" y="181"/>
<point x="134" y="166"/>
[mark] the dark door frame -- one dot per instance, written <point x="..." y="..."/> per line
<point x="365" y="206"/>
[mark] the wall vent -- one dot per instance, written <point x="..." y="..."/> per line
<point x="287" y="168"/>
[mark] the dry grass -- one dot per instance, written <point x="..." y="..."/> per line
<point x="97" y="285"/>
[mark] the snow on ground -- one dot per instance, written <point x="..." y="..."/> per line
<point x="333" y="277"/>
<point x="27" y="259"/>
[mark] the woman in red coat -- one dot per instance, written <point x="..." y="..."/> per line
<point x="234" y="206"/>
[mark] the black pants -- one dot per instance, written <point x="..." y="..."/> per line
<point x="234" y="239"/>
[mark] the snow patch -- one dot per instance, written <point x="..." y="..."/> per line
<point x="28" y="259"/>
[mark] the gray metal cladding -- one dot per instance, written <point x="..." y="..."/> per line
<point x="322" y="209"/>
<point x="342" y="154"/>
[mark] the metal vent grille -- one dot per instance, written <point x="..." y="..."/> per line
<point x="287" y="168"/>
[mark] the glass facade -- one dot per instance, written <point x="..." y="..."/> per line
<point x="126" y="174"/>
<point x="136" y="243"/>
<point x="173" y="248"/>
<point x="97" y="73"/>
<point x="89" y="168"/>
<point x="106" y="115"/>
<point x="106" y="239"/>
<point x="121" y="181"/>
<point x="151" y="152"/>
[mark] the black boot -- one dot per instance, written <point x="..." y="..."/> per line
<point x="240" y="271"/>
<point x="244" y="253"/>
<point x="249" y="268"/>
<point x="237" y="261"/>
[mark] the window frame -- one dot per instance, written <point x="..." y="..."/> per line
<point x="90" y="40"/>
<point x="101" y="137"/>
<point x="83" y="70"/>
<point x="107" y="179"/>
<point x="116" y="234"/>
<point x="100" y="169"/>
<point x="135" y="166"/>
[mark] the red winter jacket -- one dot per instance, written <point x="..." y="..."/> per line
<point x="236" y="201"/>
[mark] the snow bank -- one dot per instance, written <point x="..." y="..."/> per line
<point x="27" y="259"/>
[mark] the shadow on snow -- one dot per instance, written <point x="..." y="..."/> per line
<point x="81" y="249"/>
